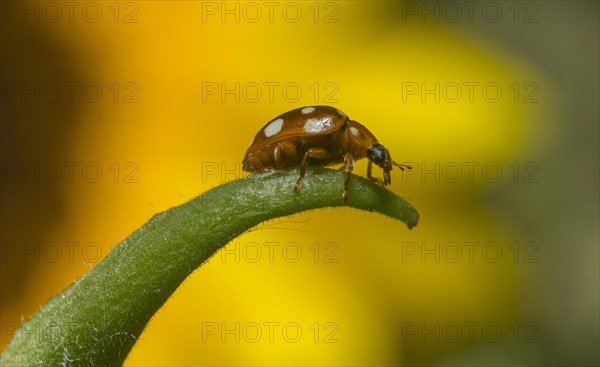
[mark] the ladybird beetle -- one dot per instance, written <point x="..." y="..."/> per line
<point x="322" y="134"/>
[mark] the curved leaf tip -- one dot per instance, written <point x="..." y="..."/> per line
<point x="97" y="320"/>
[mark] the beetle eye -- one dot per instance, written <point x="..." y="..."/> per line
<point x="377" y="154"/>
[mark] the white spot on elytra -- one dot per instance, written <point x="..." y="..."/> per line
<point x="354" y="131"/>
<point x="273" y="128"/>
<point x="306" y="110"/>
<point x="314" y="126"/>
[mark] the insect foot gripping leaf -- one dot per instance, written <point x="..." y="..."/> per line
<point x="322" y="134"/>
<point x="96" y="321"/>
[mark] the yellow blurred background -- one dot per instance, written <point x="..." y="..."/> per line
<point x="114" y="111"/>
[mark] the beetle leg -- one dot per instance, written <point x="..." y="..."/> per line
<point x="370" y="176"/>
<point x="277" y="155"/>
<point x="286" y="150"/>
<point x="314" y="152"/>
<point x="349" y="165"/>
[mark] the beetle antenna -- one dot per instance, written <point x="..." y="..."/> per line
<point x="402" y="166"/>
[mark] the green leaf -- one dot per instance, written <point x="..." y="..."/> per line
<point x="98" y="318"/>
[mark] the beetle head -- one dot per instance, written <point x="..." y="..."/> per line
<point x="379" y="155"/>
